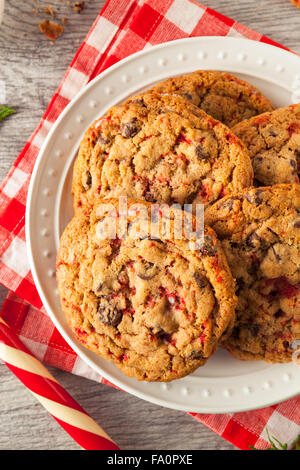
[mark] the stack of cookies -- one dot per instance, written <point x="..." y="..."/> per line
<point x="160" y="305"/>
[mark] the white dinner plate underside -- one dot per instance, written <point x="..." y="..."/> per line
<point x="224" y="384"/>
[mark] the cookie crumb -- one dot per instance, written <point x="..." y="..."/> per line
<point x="64" y="20"/>
<point x="49" y="10"/>
<point x="78" y="6"/>
<point x="50" y="29"/>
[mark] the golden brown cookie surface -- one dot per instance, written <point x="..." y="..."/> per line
<point x="152" y="306"/>
<point x="259" y="231"/>
<point x="160" y="148"/>
<point x="273" y="143"/>
<point x="222" y="95"/>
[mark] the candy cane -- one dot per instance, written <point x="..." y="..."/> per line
<point x="64" y="409"/>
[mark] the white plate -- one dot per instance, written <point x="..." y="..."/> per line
<point x="223" y="384"/>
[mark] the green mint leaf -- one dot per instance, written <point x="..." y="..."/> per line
<point x="273" y="445"/>
<point x="282" y="446"/>
<point x="5" y="112"/>
<point x="295" y="445"/>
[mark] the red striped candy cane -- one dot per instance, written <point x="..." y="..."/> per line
<point x="57" y="401"/>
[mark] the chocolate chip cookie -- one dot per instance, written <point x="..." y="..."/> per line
<point x="273" y="143"/>
<point x="160" y="148"/>
<point x="259" y="231"/>
<point x="154" y="306"/>
<point x="220" y="94"/>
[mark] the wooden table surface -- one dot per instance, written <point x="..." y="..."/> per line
<point x="31" y="69"/>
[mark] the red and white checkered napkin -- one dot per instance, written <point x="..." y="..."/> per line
<point x="122" y="28"/>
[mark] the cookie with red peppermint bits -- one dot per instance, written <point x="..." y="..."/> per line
<point x="160" y="148"/>
<point x="259" y="231"/>
<point x="273" y="143"/>
<point x="153" y="305"/>
<point x="220" y="94"/>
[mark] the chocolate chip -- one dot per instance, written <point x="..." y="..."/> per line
<point x="255" y="198"/>
<point x="108" y="314"/>
<point x="101" y="140"/>
<point x="297" y="224"/>
<point x="208" y="248"/>
<point x="130" y="128"/>
<point x="279" y="314"/>
<point x="115" y="246"/>
<point x="286" y="344"/>
<point x="103" y="289"/>
<point x="196" y="355"/>
<point x="123" y="278"/>
<point x="149" y="197"/>
<point x="227" y="204"/>
<point x="140" y="102"/>
<point x="188" y="96"/>
<point x="87" y="181"/>
<point x="272" y="133"/>
<point x="166" y="338"/>
<point x="254" y="240"/>
<point x="200" y="154"/>
<point x="200" y="281"/>
<point x="157" y="331"/>
<point x="147" y="271"/>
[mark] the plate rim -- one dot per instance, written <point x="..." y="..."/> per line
<point x="28" y="216"/>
